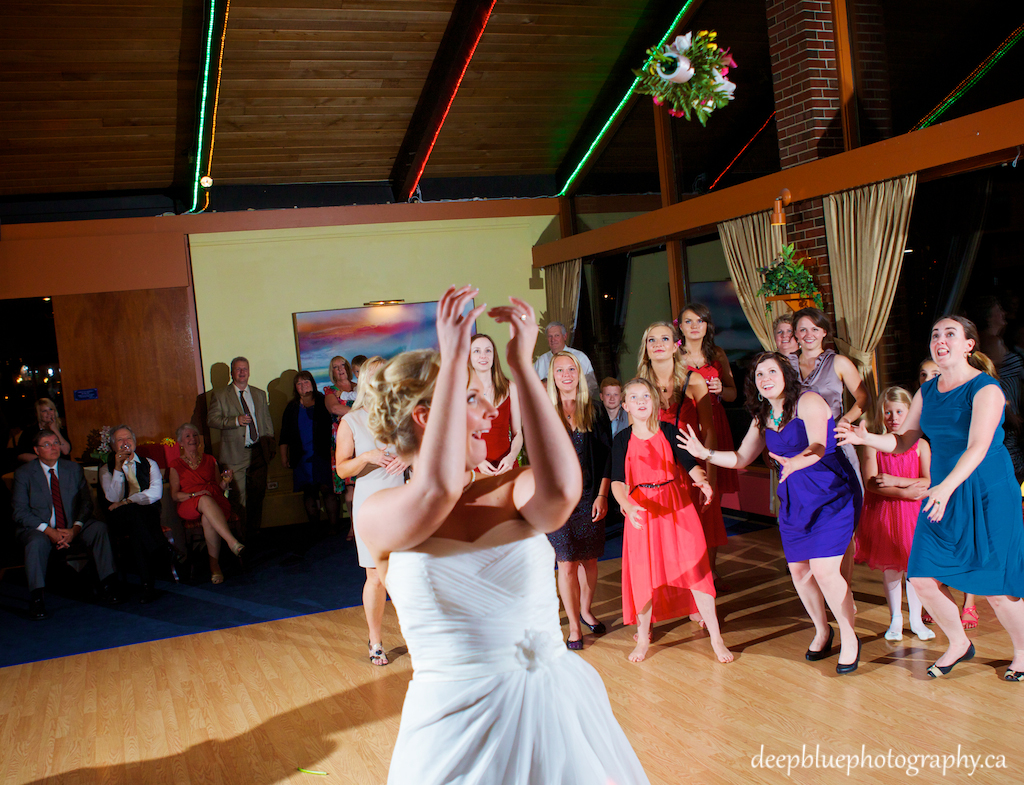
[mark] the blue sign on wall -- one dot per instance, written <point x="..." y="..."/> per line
<point x="90" y="394"/>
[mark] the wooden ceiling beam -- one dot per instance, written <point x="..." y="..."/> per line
<point x="977" y="140"/>
<point x="465" y="27"/>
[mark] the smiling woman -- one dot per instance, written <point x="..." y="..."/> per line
<point x="819" y="497"/>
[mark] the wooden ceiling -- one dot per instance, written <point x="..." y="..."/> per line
<point x="100" y="95"/>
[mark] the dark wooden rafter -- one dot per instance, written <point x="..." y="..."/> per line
<point x="192" y="27"/>
<point x="648" y="31"/>
<point x="844" y="71"/>
<point x="465" y="27"/>
<point x="669" y="179"/>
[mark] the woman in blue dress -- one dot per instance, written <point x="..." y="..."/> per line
<point x="970" y="534"/>
<point x="819" y="495"/>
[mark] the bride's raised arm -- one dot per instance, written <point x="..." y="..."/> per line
<point x="423" y="414"/>
<point x="547" y="492"/>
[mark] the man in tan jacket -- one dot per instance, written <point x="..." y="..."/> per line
<point x="247" y="444"/>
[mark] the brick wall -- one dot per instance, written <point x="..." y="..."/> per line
<point x="805" y="81"/>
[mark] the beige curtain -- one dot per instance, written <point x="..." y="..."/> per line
<point x="751" y="242"/>
<point x="866" y="230"/>
<point x="562" y="289"/>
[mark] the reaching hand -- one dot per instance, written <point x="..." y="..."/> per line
<point x="396" y="466"/>
<point x="689" y="441"/>
<point x="453" y="329"/>
<point x="522" y="327"/>
<point x="848" y="433"/>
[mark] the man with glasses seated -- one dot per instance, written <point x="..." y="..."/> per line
<point x="53" y="511"/>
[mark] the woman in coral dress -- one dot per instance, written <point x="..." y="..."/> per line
<point x="665" y="567"/>
<point x="684" y="401"/>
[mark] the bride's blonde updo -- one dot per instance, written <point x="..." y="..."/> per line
<point x="394" y="391"/>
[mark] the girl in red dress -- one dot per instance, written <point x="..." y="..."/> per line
<point x="665" y="563"/>
<point x="684" y="400"/>
<point x="505" y="439"/>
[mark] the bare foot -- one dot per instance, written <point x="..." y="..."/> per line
<point x="640" y="652"/>
<point x="721" y="651"/>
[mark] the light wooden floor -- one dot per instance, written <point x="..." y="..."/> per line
<point x="253" y="704"/>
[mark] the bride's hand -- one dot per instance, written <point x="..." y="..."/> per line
<point x="454" y="329"/>
<point x="522" y="326"/>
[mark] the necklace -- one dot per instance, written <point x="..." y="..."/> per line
<point x="192" y="463"/>
<point x="776" y="421"/>
<point x="472" y="479"/>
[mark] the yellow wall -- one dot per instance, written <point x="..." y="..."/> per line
<point x="248" y="284"/>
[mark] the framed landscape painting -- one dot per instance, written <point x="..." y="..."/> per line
<point x="376" y="329"/>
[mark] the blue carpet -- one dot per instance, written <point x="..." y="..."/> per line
<point x="328" y="579"/>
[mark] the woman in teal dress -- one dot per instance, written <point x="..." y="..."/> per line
<point x="970" y="534"/>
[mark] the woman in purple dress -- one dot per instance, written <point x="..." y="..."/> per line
<point x="819" y="497"/>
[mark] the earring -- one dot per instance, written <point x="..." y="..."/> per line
<point x="760" y="397"/>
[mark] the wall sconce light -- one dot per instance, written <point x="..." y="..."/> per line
<point x="778" y="211"/>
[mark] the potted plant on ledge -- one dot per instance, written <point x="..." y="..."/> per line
<point x="789" y="281"/>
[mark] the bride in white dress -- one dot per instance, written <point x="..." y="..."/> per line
<point x="495" y="696"/>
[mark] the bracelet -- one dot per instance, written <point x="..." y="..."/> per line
<point x="711" y="454"/>
<point x="602" y="496"/>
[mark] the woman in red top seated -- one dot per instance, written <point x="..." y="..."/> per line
<point x="505" y="438"/>
<point x="198" y="488"/>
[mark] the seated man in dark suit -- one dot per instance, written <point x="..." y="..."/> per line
<point x="133" y="486"/>
<point x="52" y="510"/>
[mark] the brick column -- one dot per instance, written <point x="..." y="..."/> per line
<point x="807" y="104"/>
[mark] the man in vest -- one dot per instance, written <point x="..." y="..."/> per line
<point x="133" y="486"/>
<point x="53" y="511"/>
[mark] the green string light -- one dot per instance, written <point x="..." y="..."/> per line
<point x="202" y="107"/>
<point x="971" y="79"/>
<point x="622" y="105"/>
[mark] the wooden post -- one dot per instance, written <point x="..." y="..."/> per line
<point x="677" y="278"/>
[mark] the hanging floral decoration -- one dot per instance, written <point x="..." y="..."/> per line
<point x="689" y="75"/>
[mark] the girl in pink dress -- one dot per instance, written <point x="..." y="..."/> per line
<point x="895" y="485"/>
<point x="665" y="563"/>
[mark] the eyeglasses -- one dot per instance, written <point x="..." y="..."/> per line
<point x="47" y="445"/>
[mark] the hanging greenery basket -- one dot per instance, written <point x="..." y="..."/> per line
<point x="689" y="76"/>
<point x="789" y="281"/>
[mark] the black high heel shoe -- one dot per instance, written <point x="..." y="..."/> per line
<point x="825" y="652"/>
<point x="597" y="629"/>
<point x="851" y="667"/>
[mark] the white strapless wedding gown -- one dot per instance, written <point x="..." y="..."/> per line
<point x="495" y="696"/>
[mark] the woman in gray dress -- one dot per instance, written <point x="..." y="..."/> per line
<point x="828" y="373"/>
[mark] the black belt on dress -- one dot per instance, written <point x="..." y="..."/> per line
<point x="651" y="484"/>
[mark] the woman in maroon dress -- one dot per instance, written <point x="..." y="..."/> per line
<point x="198" y="488"/>
<point x="505" y="439"/>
